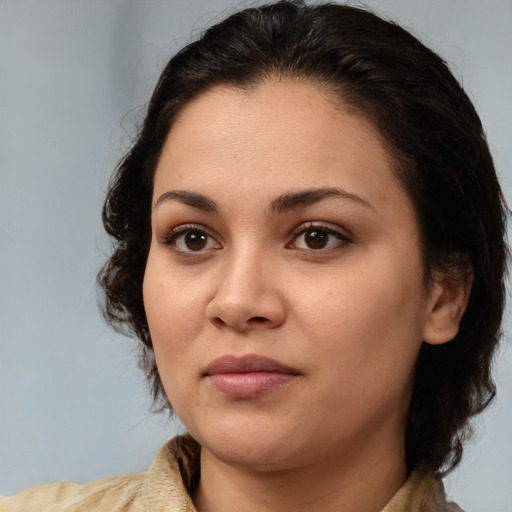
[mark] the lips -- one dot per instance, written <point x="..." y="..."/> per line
<point x="248" y="376"/>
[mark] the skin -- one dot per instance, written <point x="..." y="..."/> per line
<point x="348" y="317"/>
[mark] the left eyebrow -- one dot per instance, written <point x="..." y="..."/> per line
<point x="192" y="199"/>
<point x="303" y="198"/>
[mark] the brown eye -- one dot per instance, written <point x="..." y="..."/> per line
<point x="316" y="238"/>
<point x="189" y="240"/>
<point x="320" y="239"/>
<point x="195" y="240"/>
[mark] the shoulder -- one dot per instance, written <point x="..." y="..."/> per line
<point x="422" y="492"/>
<point x="119" y="493"/>
<point x="166" y="485"/>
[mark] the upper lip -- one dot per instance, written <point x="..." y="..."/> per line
<point x="247" y="364"/>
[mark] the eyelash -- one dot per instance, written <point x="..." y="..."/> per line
<point x="172" y="237"/>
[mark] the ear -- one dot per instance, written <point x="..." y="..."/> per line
<point x="449" y="297"/>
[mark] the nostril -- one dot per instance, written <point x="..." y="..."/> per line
<point x="218" y="322"/>
<point x="258" y="319"/>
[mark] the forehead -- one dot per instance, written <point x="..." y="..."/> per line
<point x="286" y="110"/>
<point x="275" y="136"/>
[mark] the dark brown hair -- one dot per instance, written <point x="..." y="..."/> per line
<point x="440" y="156"/>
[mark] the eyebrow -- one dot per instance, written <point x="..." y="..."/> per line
<point x="280" y="205"/>
<point x="303" y="198"/>
<point x="192" y="199"/>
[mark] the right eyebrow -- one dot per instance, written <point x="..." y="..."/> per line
<point x="192" y="199"/>
<point x="308" y="197"/>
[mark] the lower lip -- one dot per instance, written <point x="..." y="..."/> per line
<point x="249" y="385"/>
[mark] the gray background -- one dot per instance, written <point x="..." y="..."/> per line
<point x="73" y="404"/>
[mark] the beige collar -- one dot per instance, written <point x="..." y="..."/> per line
<point x="175" y="472"/>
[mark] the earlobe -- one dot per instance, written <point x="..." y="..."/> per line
<point x="449" y="298"/>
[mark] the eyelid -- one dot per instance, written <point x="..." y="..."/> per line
<point x="325" y="226"/>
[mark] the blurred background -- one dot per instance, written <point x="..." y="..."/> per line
<point x="74" y="79"/>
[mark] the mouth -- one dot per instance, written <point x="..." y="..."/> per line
<point x="248" y="376"/>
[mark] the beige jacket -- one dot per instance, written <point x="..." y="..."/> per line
<point x="165" y="487"/>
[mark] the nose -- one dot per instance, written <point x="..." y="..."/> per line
<point x="247" y="296"/>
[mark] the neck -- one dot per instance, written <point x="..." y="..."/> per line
<point x="362" y="481"/>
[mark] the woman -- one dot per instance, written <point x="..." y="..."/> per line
<point x="310" y="247"/>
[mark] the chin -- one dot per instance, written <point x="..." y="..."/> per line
<point x="254" y="456"/>
<point x="252" y="446"/>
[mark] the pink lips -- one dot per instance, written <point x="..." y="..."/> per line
<point x="249" y="376"/>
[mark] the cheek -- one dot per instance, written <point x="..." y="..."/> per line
<point x="170" y="300"/>
<point x="368" y="323"/>
<point x="175" y="315"/>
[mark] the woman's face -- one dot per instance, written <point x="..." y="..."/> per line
<point x="284" y="286"/>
